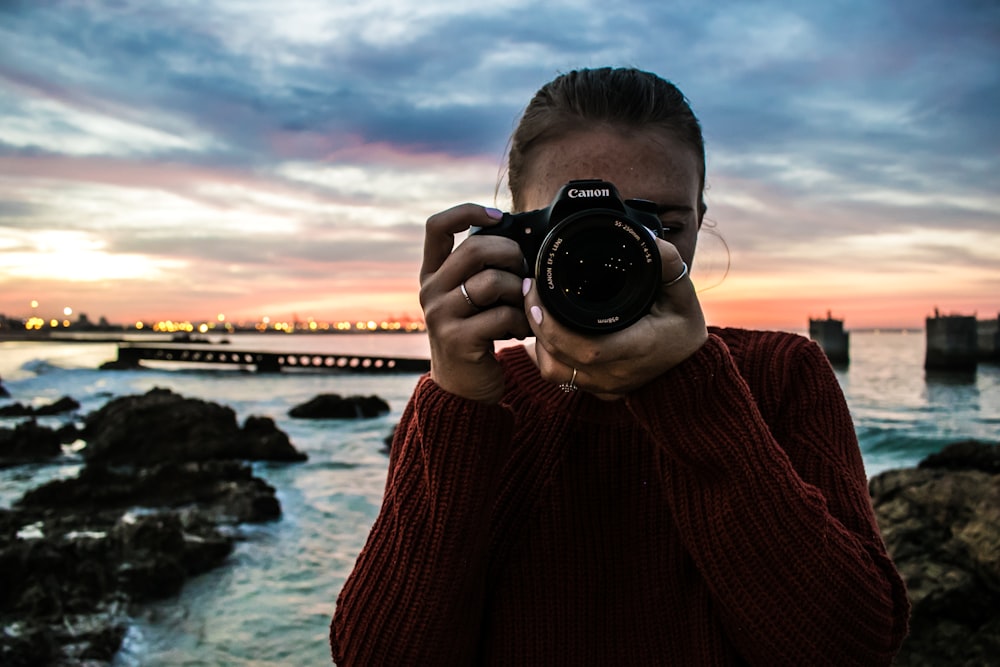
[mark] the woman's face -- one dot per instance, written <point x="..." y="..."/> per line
<point x="643" y="164"/>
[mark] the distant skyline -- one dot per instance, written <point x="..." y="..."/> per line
<point x="278" y="159"/>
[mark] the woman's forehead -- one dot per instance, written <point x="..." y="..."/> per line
<point x="646" y="164"/>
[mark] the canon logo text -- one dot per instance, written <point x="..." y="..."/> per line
<point x="577" y="194"/>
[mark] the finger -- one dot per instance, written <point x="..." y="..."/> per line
<point x="563" y="344"/>
<point x="441" y="228"/>
<point x="567" y="348"/>
<point x="499" y="323"/>
<point x="490" y="287"/>
<point x="472" y="257"/>
<point x="674" y="269"/>
<point x="481" y="253"/>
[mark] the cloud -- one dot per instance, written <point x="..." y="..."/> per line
<point x="287" y="140"/>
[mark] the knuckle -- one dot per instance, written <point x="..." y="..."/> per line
<point x="435" y="312"/>
<point x="588" y="354"/>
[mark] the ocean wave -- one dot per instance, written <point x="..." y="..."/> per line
<point x="886" y="442"/>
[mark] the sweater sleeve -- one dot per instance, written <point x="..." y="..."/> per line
<point x="416" y="593"/>
<point x="782" y="531"/>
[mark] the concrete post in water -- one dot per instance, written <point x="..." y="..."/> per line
<point x="830" y="336"/>
<point x="988" y="343"/>
<point x="951" y="343"/>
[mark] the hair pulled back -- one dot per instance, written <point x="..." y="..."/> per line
<point x="627" y="98"/>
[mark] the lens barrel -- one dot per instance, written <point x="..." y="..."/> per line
<point x="598" y="271"/>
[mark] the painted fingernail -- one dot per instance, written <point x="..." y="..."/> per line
<point x="536" y="314"/>
<point x="493" y="213"/>
<point x="525" y="286"/>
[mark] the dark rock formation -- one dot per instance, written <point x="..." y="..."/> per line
<point x="66" y="579"/>
<point x="334" y="406"/>
<point x="64" y="404"/>
<point x="163" y="426"/>
<point x="162" y="473"/>
<point x="28" y="442"/>
<point x="222" y="490"/>
<point x="941" y="524"/>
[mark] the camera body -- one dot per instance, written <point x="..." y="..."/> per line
<point x="594" y="255"/>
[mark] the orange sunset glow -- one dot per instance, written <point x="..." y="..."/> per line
<point x="288" y="176"/>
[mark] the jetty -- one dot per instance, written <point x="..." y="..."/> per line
<point x="131" y="356"/>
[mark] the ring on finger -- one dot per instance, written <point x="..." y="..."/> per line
<point x="684" y="272"/>
<point x="468" y="298"/>
<point x="570" y="387"/>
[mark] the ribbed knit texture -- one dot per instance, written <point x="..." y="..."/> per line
<point x="718" y="516"/>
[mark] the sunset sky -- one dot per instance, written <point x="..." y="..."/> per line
<point x="183" y="159"/>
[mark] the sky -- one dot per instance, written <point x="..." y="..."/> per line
<point x="256" y="159"/>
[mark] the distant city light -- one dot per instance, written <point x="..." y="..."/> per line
<point x="221" y="324"/>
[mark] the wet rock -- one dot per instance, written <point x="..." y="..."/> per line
<point x="64" y="404"/>
<point x="28" y="442"/>
<point x="164" y="477"/>
<point x="223" y="491"/>
<point x="68" y="434"/>
<point x="162" y="426"/>
<point x="967" y="455"/>
<point x="941" y="524"/>
<point x="66" y="579"/>
<point x="334" y="406"/>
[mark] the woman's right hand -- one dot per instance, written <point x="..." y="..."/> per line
<point x="462" y="334"/>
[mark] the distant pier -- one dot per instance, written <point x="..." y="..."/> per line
<point x="131" y="355"/>
<point x="952" y="343"/>
<point x="830" y="335"/>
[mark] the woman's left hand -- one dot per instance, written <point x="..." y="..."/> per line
<point x="613" y="365"/>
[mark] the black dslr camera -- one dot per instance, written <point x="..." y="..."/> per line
<point x="594" y="256"/>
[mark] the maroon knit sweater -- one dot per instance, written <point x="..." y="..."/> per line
<point x="718" y="516"/>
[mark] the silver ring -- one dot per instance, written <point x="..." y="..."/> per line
<point x="465" y="293"/>
<point x="569" y="387"/>
<point x="684" y="272"/>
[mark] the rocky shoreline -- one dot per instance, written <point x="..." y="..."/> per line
<point x="941" y="524"/>
<point x="165" y="483"/>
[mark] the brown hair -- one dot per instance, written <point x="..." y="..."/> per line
<point x="623" y="97"/>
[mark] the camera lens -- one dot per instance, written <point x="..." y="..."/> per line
<point x="598" y="271"/>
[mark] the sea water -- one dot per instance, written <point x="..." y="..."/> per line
<point x="270" y="603"/>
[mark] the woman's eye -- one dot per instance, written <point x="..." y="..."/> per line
<point x="672" y="226"/>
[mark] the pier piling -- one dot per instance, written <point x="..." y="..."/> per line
<point x="830" y="335"/>
<point x="988" y="340"/>
<point x="952" y="343"/>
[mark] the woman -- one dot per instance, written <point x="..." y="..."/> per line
<point x="699" y="500"/>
